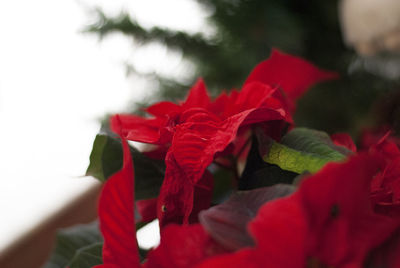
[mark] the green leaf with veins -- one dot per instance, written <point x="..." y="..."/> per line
<point x="301" y="150"/>
<point x="70" y="241"/>
<point x="87" y="257"/>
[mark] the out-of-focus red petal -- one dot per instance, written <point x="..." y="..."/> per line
<point x="244" y="258"/>
<point x="116" y="214"/>
<point x="273" y="238"/>
<point x="106" y="266"/>
<point x="343" y="224"/>
<point x="252" y="95"/>
<point x="198" y="96"/>
<point x="378" y="139"/>
<point x="219" y="106"/>
<point x="139" y="129"/>
<point x="385" y="187"/>
<point x="388" y="148"/>
<point x="182" y="247"/>
<point x="164" y="108"/>
<point x="329" y="221"/>
<point x="280" y="230"/>
<point x="345" y="140"/>
<point x="386" y="255"/>
<point x="293" y="74"/>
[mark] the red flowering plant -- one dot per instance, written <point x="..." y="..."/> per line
<point x="303" y="198"/>
<point x="199" y="130"/>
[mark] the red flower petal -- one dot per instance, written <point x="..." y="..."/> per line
<point x="139" y="129"/>
<point x="345" y="140"/>
<point x="220" y="105"/>
<point x="147" y="209"/>
<point x="164" y="108"/>
<point x="293" y="74"/>
<point x="106" y="266"/>
<point x="387" y="255"/>
<point x="344" y="227"/>
<point x="198" y="96"/>
<point x="252" y="95"/>
<point x="244" y="258"/>
<point x="182" y="247"/>
<point x="280" y="230"/>
<point x="116" y="214"/>
<point x="180" y="200"/>
<point x="227" y="222"/>
<point x="385" y="187"/>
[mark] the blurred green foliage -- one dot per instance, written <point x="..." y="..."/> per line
<point x="245" y="31"/>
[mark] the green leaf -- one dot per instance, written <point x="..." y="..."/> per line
<point x="106" y="159"/>
<point x="70" y="241"/>
<point x="314" y="142"/>
<point x="301" y="150"/>
<point x="87" y="257"/>
<point x="258" y="173"/>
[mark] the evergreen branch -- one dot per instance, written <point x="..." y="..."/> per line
<point x="189" y="44"/>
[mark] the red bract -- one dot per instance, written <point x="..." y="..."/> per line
<point x="291" y="74"/>
<point x="328" y="222"/>
<point x="385" y="187"/>
<point x="388" y="254"/>
<point x="182" y="246"/>
<point x="198" y="129"/>
<point x="374" y="137"/>
<point x="345" y="140"/>
<point x="117" y="222"/>
<point x="343" y="227"/>
<point x="147" y="209"/>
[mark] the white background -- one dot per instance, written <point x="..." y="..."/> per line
<point x="55" y="83"/>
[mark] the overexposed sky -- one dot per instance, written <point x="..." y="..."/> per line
<point x="55" y="83"/>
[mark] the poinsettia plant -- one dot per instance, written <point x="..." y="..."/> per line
<point x="232" y="181"/>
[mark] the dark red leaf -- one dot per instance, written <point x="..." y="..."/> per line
<point x="227" y="222"/>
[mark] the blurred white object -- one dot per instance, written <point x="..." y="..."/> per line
<point x="371" y="26"/>
<point x="149" y="236"/>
